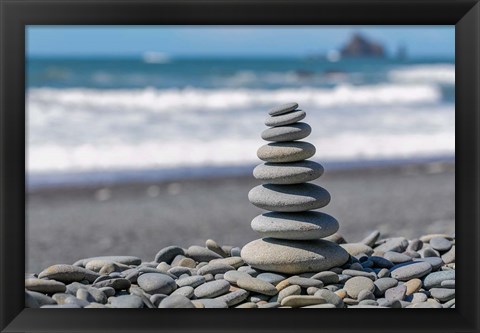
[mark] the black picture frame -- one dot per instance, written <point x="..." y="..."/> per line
<point x="17" y="14"/>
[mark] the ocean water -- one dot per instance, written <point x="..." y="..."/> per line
<point x="123" y="119"/>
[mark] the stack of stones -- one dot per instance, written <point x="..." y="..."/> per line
<point x="292" y="229"/>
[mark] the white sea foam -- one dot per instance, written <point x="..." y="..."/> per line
<point x="432" y="73"/>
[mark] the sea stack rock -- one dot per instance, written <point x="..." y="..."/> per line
<point x="292" y="230"/>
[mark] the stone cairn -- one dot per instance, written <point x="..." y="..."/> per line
<point x="292" y="229"/>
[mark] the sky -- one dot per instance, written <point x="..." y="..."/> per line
<point x="230" y="41"/>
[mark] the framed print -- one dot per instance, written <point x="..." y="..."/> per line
<point x="311" y="161"/>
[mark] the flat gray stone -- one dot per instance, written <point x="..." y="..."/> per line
<point x="281" y="109"/>
<point x="68" y="273"/>
<point x="356" y="284"/>
<point x="305" y="282"/>
<point x="115" y="283"/>
<point x="382" y="284"/>
<point x="257" y="285"/>
<point x="297" y="301"/>
<point x="233" y="276"/>
<point x="285" y="119"/>
<point x="234" y="297"/>
<point x="365" y="295"/>
<point x="176" y="302"/>
<point x="440" y="244"/>
<point x="209" y="303"/>
<point x="127" y="301"/>
<point x="186" y="291"/>
<point x="39" y="299"/>
<point x="449" y="257"/>
<point x="293" y="257"/>
<point x="200" y="253"/>
<point x="396" y="258"/>
<point x="396" y="244"/>
<point x="45" y="286"/>
<point x="435" y="262"/>
<point x="396" y="293"/>
<point x="288" y="173"/>
<point x="408" y="271"/>
<point x="168" y="253"/>
<point x="442" y="294"/>
<point x="291" y="132"/>
<point x="192" y="281"/>
<point x="355" y="249"/>
<point x="272" y="278"/>
<point x="448" y="284"/>
<point x="282" y="152"/>
<point x="435" y="279"/>
<point x="330" y="297"/>
<point x="212" y="289"/>
<point x="126" y="260"/>
<point x="300" y="226"/>
<point x="326" y="277"/>
<point x="215" y="268"/>
<point x="231" y="261"/>
<point x="289" y="198"/>
<point x="156" y="283"/>
<point x="288" y="291"/>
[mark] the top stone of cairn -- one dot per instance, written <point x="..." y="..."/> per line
<point x="284" y="108"/>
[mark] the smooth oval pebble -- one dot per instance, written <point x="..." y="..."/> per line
<point x="283" y="152"/>
<point x="326" y="277"/>
<point x="285" y="119"/>
<point x="407" y="271"/>
<point x="358" y="283"/>
<point x="200" y="253"/>
<point x="68" y="273"/>
<point x="440" y="244"/>
<point x="215" y="268"/>
<point x="396" y="293"/>
<point x="300" y="226"/>
<point x="176" y="301"/>
<point x="192" y="281"/>
<point x="435" y="279"/>
<point x="296" y="301"/>
<point x="127" y="301"/>
<point x="382" y="284"/>
<point x="126" y="260"/>
<point x="289" y="198"/>
<point x="186" y="291"/>
<point x="396" y="244"/>
<point x="396" y="257"/>
<point x="281" y="109"/>
<point x="305" y="282"/>
<point x="288" y="291"/>
<point x="156" y="283"/>
<point x="435" y="262"/>
<point x="233" y="276"/>
<point x="293" y="257"/>
<point x="330" y="297"/>
<point x="235" y="261"/>
<point x="442" y="294"/>
<point x="357" y="248"/>
<point x="168" y="253"/>
<point x="38" y="298"/>
<point x="234" y="297"/>
<point x="257" y="285"/>
<point x="212" y="289"/>
<point x="291" y="132"/>
<point x="272" y="278"/>
<point x="288" y="173"/>
<point x="209" y="303"/>
<point x="45" y="286"/>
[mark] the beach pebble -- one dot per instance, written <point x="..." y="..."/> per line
<point x="418" y="298"/>
<point x="186" y="291"/>
<point x="356" y="284"/>
<point x="234" y="297"/>
<point x="413" y="286"/>
<point x="272" y="278"/>
<point x="200" y="253"/>
<point x="156" y="283"/>
<point x="212" y="289"/>
<point x="427" y="238"/>
<point x="327" y="277"/>
<point x="289" y="198"/>
<point x="127" y="301"/>
<point x="209" y="303"/>
<point x="435" y="279"/>
<point x="442" y="294"/>
<point x="295" y="226"/>
<point x="168" y="253"/>
<point x="233" y="276"/>
<point x="408" y="271"/>
<point x="396" y="293"/>
<point x="288" y="173"/>
<point x="115" y="283"/>
<point x="305" y="282"/>
<point x="68" y="273"/>
<point x="371" y="238"/>
<point x="396" y="244"/>
<point x="213" y="246"/>
<point x="353" y="272"/>
<point x="330" y="297"/>
<point x="381" y="262"/>
<point x="282" y="152"/>
<point x="296" y="301"/>
<point x="176" y="301"/>
<point x="288" y="118"/>
<point x="357" y="248"/>
<point x="235" y="261"/>
<point x="247" y="305"/>
<point x="35" y="299"/>
<point x="215" y="268"/>
<point x="288" y="291"/>
<point x="448" y="284"/>
<point x="291" y="132"/>
<point x="382" y="284"/>
<point x="397" y="258"/>
<point x="125" y="260"/>
<point x="257" y="285"/>
<point x="281" y="109"/>
<point x="192" y="281"/>
<point x="293" y="257"/>
<point x="44" y="286"/>
<point x="440" y="244"/>
<point x="365" y="295"/>
<point x="449" y="257"/>
<point x="435" y="262"/>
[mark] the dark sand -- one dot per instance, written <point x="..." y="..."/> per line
<point x="65" y="225"/>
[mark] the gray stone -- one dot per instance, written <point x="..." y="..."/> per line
<point x="200" y="253"/>
<point x="440" y="244"/>
<point x="435" y="262"/>
<point x="76" y="301"/>
<point x="288" y="173"/>
<point x="330" y="297"/>
<point x="327" y="277"/>
<point x="282" y="152"/>
<point x="296" y="301"/>
<point x="396" y="293"/>
<point x="234" y="297"/>
<point x="282" y="109"/>
<point x="435" y="279"/>
<point x="448" y="284"/>
<point x="115" y="283"/>
<point x="397" y="244"/>
<point x="213" y="246"/>
<point x="192" y="281"/>
<point x="214" y="303"/>
<point x="442" y="294"/>
<point x="427" y="252"/>
<point x="389" y="304"/>
<point x="156" y="283"/>
<point x="108" y="291"/>
<point x="305" y="282"/>
<point x="68" y="273"/>
<point x="233" y="276"/>
<point x="407" y="271"/>
<point x="293" y="257"/>
<point x="168" y="253"/>
<point x="357" y="248"/>
<point x="31" y="302"/>
<point x="235" y="251"/>
<point x="126" y="260"/>
<point x="127" y="301"/>
<point x="176" y="301"/>
<point x="157" y="299"/>
<point x="272" y="278"/>
<point x="288" y="291"/>
<point x="44" y="286"/>
<point x="291" y="132"/>
<point x="177" y="271"/>
<point x="419" y="298"/>
<point x="257" y="285"/>
<point x="353" y="272"/>
<point x="215" y="268"/>
<point x="396" y="258"/>
<point x="235" y="262"/>
<point x="212" y="289"/>
<point x="296" y="226"/>
<point x="186" y="291"/>
<point x="35" y="299"/>
<point x="381" y="262"/>
<point x="414" y="245"/>
<point x="289" y="198"/>
<point x="449" y="257"/>
<point x="285" y="119"/>
<point x="249" y="270"/>
<point x="371" y="238"/>
<point x="61" y="306"/>
<point x="365" y="295"/>
<point x="356" y="284"/>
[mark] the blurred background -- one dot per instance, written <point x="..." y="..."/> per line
<point x="144" y="137"/>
